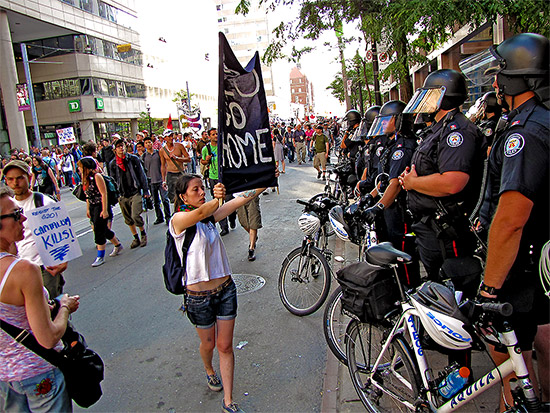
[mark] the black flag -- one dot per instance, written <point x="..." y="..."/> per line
<point x="246" y="158"/>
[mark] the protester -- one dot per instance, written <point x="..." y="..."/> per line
<point x="199" y="147"/>
<point x="211" y="298"/>
<point x="320" y="144"/>
<point x="299" y="141"/>
<point x="210" y="159"/>
<point x="152" y="162"/>
<point x="278" y="150"/>
<point x="44" y="177"/>
<point x="17" y="176"/>
<point x="106" y="154"/>
<point x="250" y="218"/>
<point x="289" y="144"/>
<point x="27" y="381"/>
<point x="127" y="170"/>
<point x="68" y="167"/>
<point x="172" y="156"/>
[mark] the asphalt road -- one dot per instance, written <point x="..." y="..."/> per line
<point x="151" y="351"/>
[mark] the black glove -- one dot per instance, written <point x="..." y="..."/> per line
<point x="371" y="213"/>
<point x="365" y="187"/>
<point x="366" y="201"/>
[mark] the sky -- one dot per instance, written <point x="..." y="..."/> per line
<point x="190" y="30"/>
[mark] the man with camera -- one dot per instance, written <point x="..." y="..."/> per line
<point x="152" y="163"/>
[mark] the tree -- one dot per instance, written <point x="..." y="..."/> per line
<point x="408" y="29"/>
<point x="181" y="96"/>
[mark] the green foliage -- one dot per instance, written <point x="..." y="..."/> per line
<point x="357" y="71"/>
<point x="156" y="124"/>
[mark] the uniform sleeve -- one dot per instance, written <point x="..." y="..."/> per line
<point x="525" y="163"/>
<point x="400" y="159"/>
<point x="457" y="152"/>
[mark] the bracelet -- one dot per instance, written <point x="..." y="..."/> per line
<point x="66" y="306"/>
<point x="489" y="290"/>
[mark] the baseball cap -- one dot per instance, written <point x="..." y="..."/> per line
<point x="115" y="135"/>
<point x="167" y="132"/>
<point x="17" y="164"/>
<point x="145" y="131"/>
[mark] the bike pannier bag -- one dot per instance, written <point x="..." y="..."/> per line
<point x="369" y="292"/>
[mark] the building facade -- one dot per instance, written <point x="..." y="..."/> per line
<point x="246" y="35"/>
<point x="301" y="91"/>
<point x="85" y="64"/>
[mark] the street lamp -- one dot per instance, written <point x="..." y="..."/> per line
<point x="149" y="116"/>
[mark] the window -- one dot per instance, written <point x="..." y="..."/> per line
<point x="120" y="89"/>
<point x="111" y="84"/>
<point x="86" y="87"/>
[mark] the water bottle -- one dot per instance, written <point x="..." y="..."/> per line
<point x="454" y="382"/>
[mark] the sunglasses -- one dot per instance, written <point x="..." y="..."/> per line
<point x="16" y="215"/>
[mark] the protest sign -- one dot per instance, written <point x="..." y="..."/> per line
<point x="246" y="158"/>
<point x="66" y="135"/>
<point x="53" y="234"/>
<point x="23" y="99"/>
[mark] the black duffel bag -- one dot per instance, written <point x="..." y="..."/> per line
<point x="369" y="292"/>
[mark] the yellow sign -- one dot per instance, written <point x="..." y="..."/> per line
<point x="123" y="48"/>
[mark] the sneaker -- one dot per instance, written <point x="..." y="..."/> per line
<point x="224" y="232"/>
<point x="116" y="250"/>
<point x="232" y="408"/>
<point x="251" y="255"/>
<point x="233" y="225"/>
<point x="98" y="261"/>
<point x="324" y="177"/>
<point x="158" y="221"/>
<point x="319" y="174"/>
<point x="143" y="242"/>
<point x="214" y="382"/>
<point x="135" y="243"/>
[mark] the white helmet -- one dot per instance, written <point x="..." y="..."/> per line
<point x="441" y="317"/>
<point x="309" y="223"/>
<point x="336" y="218"/>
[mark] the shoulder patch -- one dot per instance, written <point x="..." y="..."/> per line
<point x="514" y="144"/>
<point x="398" y="154"/>
<point x="487" y="132"/>
<point x="379" y="151"/>
<point x="454" y="140"/>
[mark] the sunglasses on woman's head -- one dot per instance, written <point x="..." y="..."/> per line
<point x="16" y="215"/>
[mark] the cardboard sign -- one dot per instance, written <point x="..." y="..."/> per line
<point x="246" y="159"/>
<point x="66" y="135"/>
<point x="23" y="99"/>
<point x="53" y="234"/>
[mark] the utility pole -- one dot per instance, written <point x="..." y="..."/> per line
<point x="339" y="30"/>
<point x="38" y="143"/>
<point x="377" y="96"/>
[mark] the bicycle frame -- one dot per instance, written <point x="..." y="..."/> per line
<point x="514" y="364"/>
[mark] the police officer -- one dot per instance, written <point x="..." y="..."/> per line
<point x="490" y="112"/>
<point x="395" y="157"/>
<point x="362" y="159"/>
<point x="443" y="181"/>
<point x="353" y="119"/>
<point x="516" y="202"/>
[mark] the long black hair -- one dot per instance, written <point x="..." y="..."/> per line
<point x="182" y="184"/>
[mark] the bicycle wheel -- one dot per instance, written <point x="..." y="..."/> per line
<point x="334" y="326"/>
<point x="304" y="281"/>
<point x="396" y="374"/>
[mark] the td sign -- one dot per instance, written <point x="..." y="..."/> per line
<point x="74" y="106"/>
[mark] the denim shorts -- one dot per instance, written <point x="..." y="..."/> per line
<point x="204" y="310"/>
<point x="42" y="393"/>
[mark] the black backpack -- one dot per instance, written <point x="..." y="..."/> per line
<point x="173" y="269"/>
<point x="112" y="190"/>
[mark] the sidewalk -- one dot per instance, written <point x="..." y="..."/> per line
<point x="339" y="394"/>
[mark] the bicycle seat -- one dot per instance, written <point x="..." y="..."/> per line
<point x="385" y="254"/>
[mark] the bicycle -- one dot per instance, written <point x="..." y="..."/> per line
<point x="305" y="276"/>
<point x="390" y="374"/>
<point x="350" y="227"/>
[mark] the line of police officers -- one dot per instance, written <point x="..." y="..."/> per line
<point x="441" y="175"/>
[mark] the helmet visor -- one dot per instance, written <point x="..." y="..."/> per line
<point x="481" y="68"/>
<point x="425" y="101"/>
<point x="362" y="131"/>
<point x="380" y="125"/>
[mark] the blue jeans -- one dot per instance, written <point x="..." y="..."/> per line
<point x="204" y="310"/>
<point x="42" y="393"/>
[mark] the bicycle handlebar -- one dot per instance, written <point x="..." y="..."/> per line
<point x="504" y="309"/>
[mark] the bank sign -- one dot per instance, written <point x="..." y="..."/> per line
<point x="99" y="104"/>
<point x="74" y="106"/>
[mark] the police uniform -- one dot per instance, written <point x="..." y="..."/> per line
<point x="393" y="160"/>
<point x="519" y="162"/>
<point x="452" y="144"/>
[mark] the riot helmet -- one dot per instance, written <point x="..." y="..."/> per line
<point x="351" y="118"/>
<point x="520" y="63"/>
<point x="366" y="123"/>
<point x="388" y="119"/>
<point x="490" y="104"/>
<point x="443" y="89"/>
